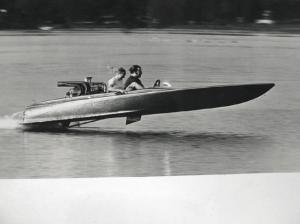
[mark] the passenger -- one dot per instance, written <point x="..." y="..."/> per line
<point x="134" y="82"/>
<point x="115" y="84"/>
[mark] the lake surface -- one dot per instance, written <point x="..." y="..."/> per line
<point x="262" y="135"/>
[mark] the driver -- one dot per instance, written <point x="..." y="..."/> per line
<point x="115" y="84"/>
<point x="134" y="82"/>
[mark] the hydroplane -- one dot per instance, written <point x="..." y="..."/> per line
<point x="92" y="102"/>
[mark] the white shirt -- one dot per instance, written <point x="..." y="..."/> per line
<point x="115" y="83"/>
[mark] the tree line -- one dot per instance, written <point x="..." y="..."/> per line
<point x="141" y="13"/>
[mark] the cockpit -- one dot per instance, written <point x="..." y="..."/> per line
<point x="87" y="87"/>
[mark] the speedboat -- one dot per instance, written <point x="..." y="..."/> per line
<point x="92" y="102"/>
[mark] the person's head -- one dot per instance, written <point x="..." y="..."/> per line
<point x="121" y="73"/>
<point x="137" y="70"/>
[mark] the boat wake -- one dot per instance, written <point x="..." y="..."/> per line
<point x="11" y="121"/>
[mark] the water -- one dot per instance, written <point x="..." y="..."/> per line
<point x="258" y="136"/>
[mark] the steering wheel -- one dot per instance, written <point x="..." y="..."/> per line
<point x="157" y="83"/>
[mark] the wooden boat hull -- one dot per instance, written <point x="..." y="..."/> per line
<point x="137" y="103"/>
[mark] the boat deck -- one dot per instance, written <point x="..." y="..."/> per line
<point x="91" y="96"/>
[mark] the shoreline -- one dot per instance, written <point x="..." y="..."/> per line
<point x="248" y="30"/>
